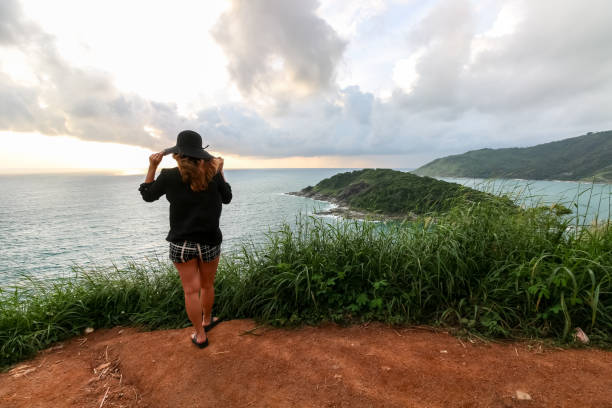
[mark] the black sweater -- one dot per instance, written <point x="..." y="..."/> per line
<point x="194" y="216"/>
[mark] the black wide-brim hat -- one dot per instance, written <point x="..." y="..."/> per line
<point x="189" y="143"/>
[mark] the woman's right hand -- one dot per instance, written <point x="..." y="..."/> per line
<point x="155" y="159"/>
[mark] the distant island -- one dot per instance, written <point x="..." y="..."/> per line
<point x="587" y="157"/>
<point x="390" y="194"/>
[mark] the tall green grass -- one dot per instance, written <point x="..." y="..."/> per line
<point x="40" y="312"/>
<point x="497" y="271"/>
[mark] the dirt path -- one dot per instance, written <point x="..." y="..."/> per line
<point x="373" y="366"/>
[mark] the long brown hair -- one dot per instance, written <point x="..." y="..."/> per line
<point x="196" y="172"/>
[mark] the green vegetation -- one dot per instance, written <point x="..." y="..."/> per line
<point x="41" y="312"/>
<point x="391" y="192"/>
<point x="587" y="157"/>
<point x="478" y="268"/>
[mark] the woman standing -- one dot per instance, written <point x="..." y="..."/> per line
<point x="195" y="189"/>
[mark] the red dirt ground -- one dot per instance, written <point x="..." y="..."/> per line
<point x="327" y="366"/>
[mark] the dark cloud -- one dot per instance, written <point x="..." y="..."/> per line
<point x="446" y="33"/>
<point x="10" y="13"/>
<point x="549" y="79"/>
<point x="278" y="46"/>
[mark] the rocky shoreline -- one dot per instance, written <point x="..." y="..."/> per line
<point x="343" y="209"/>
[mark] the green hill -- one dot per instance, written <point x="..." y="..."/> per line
<point x="585" y="157"/>
<point x="391" y="192"/>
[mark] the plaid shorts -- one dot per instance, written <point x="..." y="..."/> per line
<point x="185" y="251"/>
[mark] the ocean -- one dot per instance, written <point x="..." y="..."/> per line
<point x="51" y="223"/>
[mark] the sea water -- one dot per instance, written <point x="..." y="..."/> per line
<point x="50" y="223"/>
<point x="589" y="202"/>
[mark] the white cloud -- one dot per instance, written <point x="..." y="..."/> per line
<point x="405" y="73"/>
<point x="14" y="63"/>
<point x="61" y="99"/>
<point x="346" y="16"/>
<point x="278" y="49"/>
<point x="511" y="14"/>
<point x="159" y="50"/>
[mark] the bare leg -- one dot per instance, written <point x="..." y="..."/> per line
<point x="190" y="278"/>
<point x="208" y="270"/>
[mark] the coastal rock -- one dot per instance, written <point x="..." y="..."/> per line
<point x="522" y="396"/>
<point x="581" y="336"/>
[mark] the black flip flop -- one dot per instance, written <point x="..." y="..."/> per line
<point x="200" y="345"/>
<point x="212" y="324"/>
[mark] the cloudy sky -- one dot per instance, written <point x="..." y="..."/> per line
<point x="296" y="83"/>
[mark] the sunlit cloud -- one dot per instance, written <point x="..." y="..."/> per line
<point x="32" y="153"/>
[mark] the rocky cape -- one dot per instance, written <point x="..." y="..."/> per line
<point x="384" y="194"/>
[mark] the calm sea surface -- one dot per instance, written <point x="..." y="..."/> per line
<point x="49" y="223"/>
